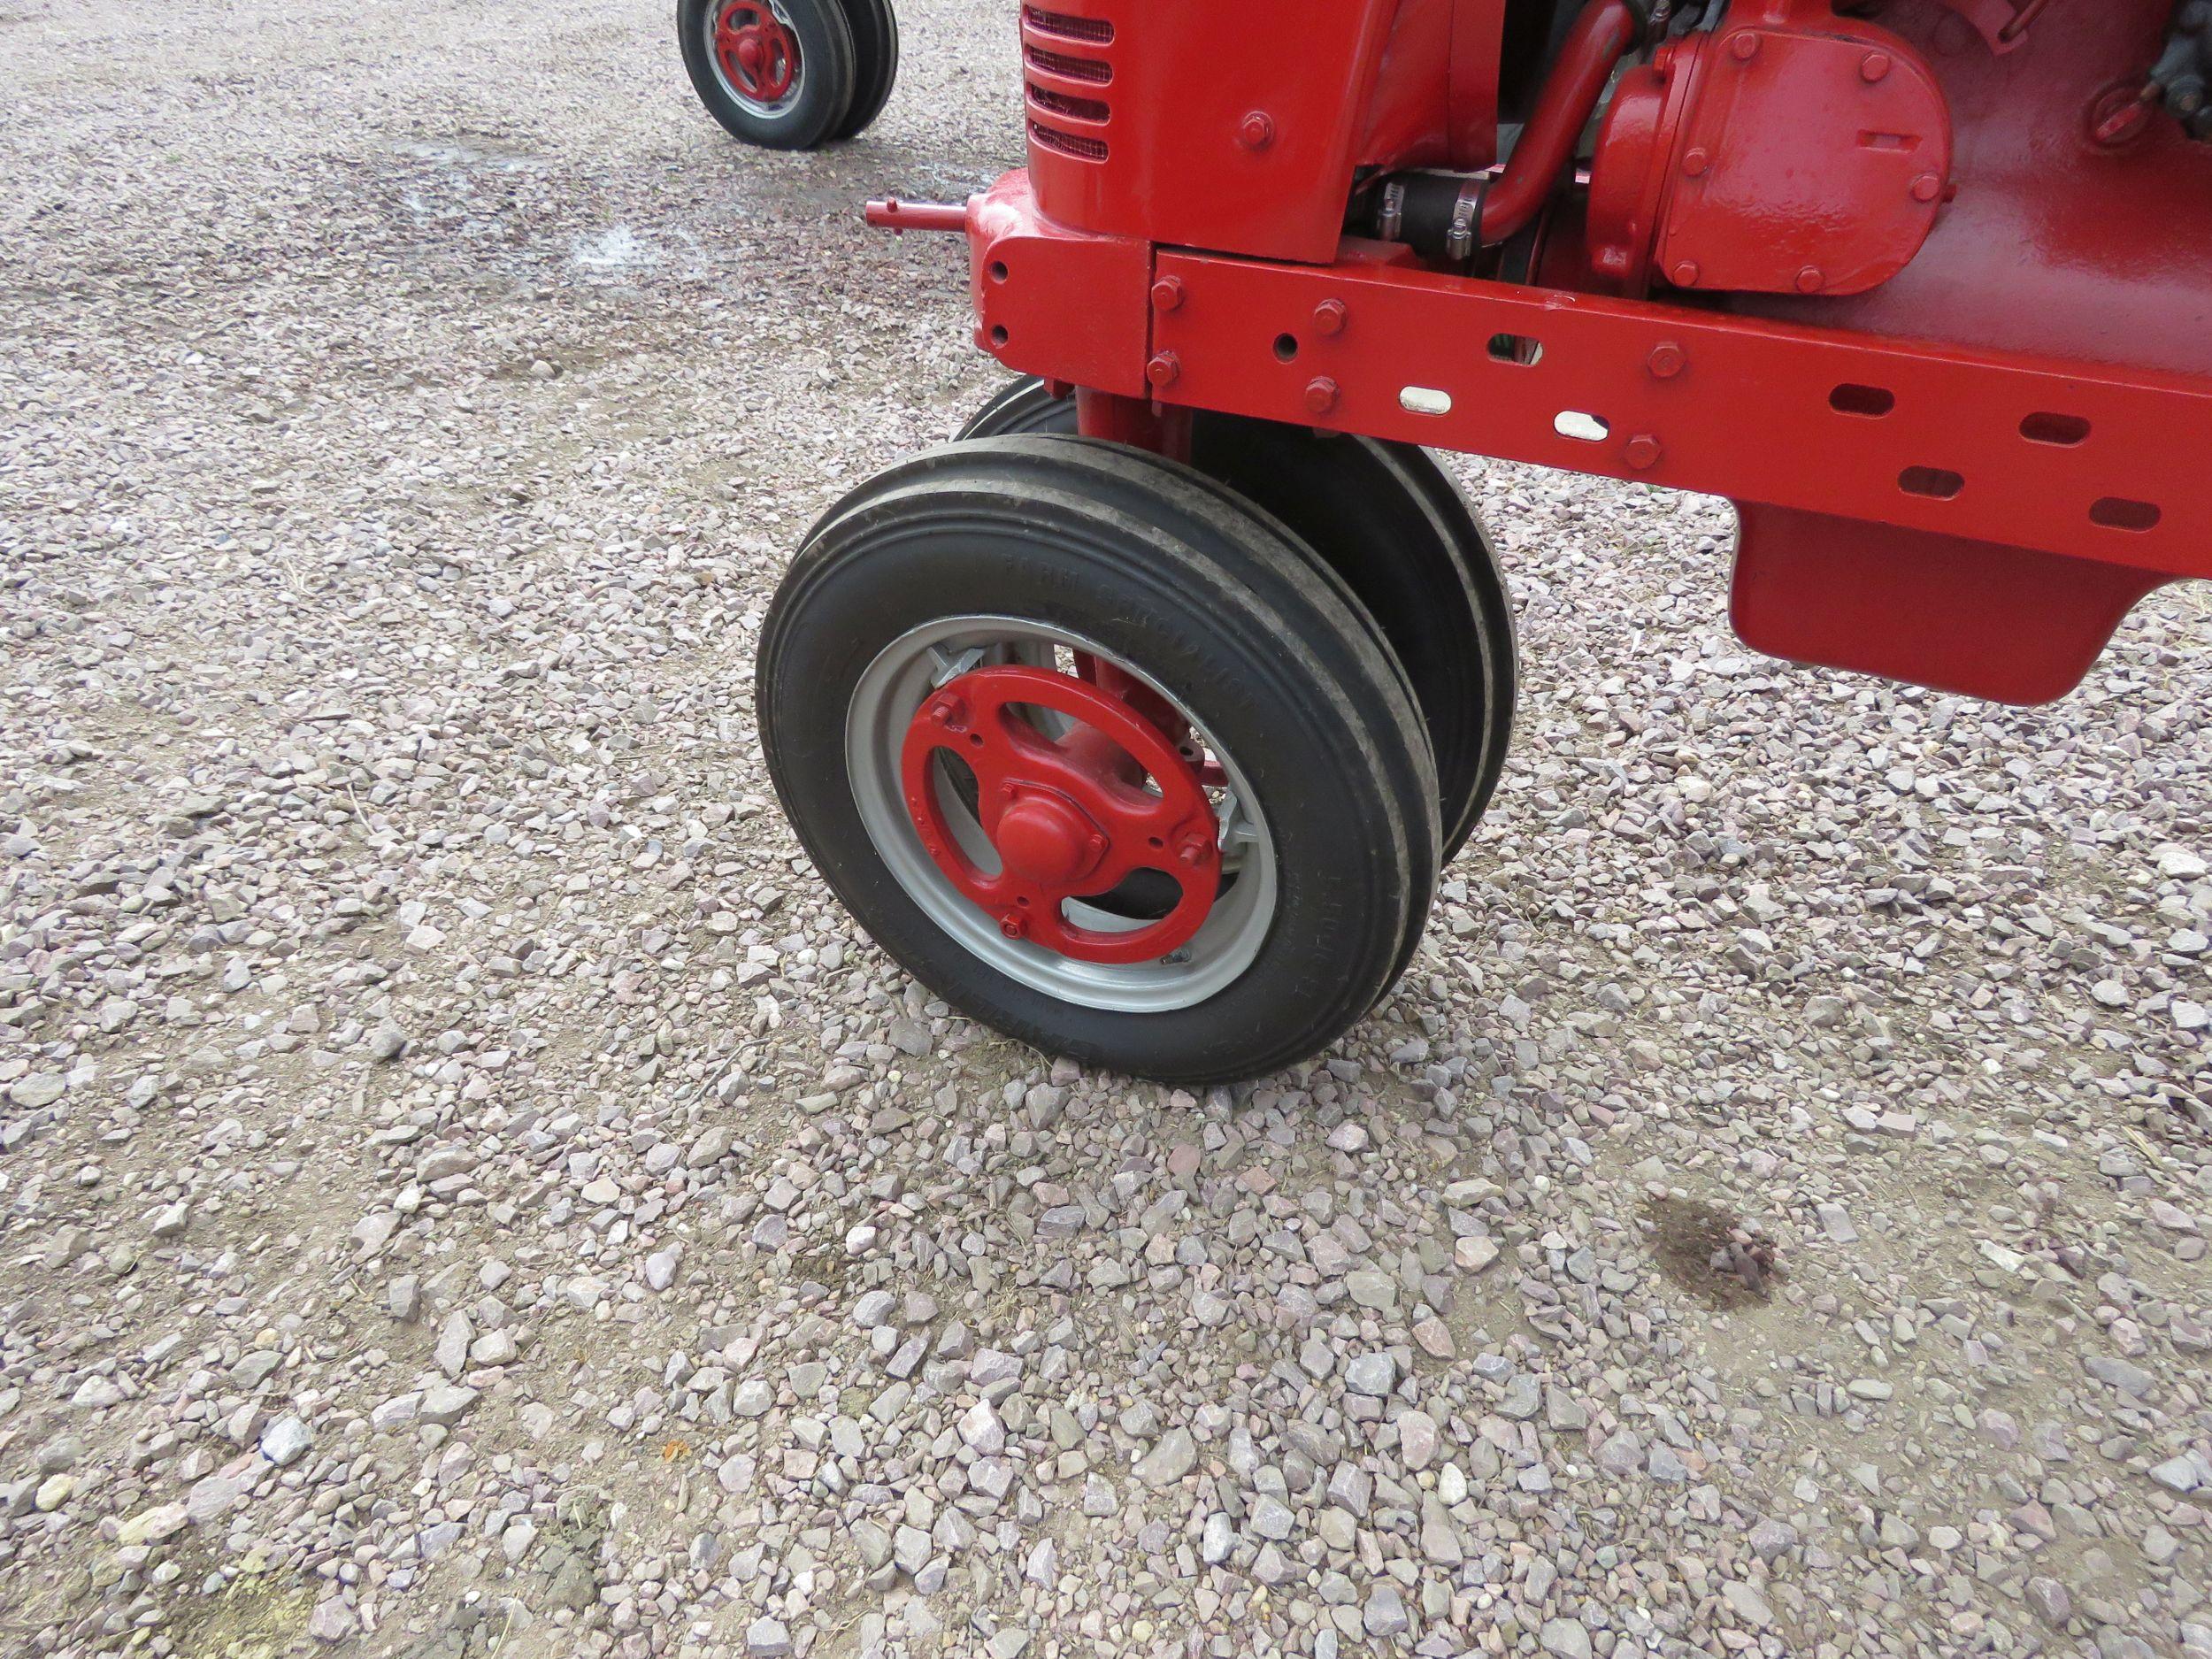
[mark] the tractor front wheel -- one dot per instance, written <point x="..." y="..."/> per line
<point x="1097" y="753"/>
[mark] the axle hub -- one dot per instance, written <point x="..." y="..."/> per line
<point x="1072" y="817"/>
<point x="757" y="51"/>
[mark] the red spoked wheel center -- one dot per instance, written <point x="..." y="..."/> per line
<point x="757" y="51"/>
<point x="1069" y="816"/>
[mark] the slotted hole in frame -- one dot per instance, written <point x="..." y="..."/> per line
<point x="2117" y="512"/>
<point x="1870" y="402"/>
<point x="1937" y="483"/>
<point x="2044" y="426"/>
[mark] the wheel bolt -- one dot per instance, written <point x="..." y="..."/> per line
<point x="1014" y="925"/>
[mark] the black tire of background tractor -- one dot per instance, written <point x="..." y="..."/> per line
<point x="1389" y="521"/>
<point x="1211" y="600"/>
<point x="875" y="33"/>
<point x="826" y="74"/>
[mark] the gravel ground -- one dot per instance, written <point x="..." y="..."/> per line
<point x="465" y="1191"/>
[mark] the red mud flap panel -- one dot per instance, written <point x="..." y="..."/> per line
<point x="1976" y="617"/>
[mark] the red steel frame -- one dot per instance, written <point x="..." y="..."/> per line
<point x="1970" y="517"/>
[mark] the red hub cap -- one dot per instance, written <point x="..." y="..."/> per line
<point x="1071" y="816"/>
<point x="758" y="54"/>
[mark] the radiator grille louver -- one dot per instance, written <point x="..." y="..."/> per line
<point x="1060" y="121"/>
<point x="1096" y="31"/>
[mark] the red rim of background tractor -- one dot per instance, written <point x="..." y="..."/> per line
<point x="758" y="53"/>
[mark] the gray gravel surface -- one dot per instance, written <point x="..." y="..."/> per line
<point x="465" y="1191"/>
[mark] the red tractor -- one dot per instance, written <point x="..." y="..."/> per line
<point x="1138" y="721"/>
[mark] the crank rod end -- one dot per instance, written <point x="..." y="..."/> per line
<point x="894" y="215"/>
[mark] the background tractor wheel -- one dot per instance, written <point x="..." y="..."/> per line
<point x="779" y="73"/>
<point x="1387" y="520"/>
<point x="1004" y="681"/>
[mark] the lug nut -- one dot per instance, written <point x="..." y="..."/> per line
<point x="1014" y="925"/>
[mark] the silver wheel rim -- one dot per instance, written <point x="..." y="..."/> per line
<point x="751" y="105"/>
<point x="883" y="705"/>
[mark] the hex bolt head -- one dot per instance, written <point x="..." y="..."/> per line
<point x="1667" y="360"/>
<point x="1329" y="316"/>
<point x="1642" y="452"/>
<point x="1014" y="925"/>
<point x="1810" y="280"/>
<point x="1685" y="273"/>
<point x="1167" y="294"/>
<point x="1743" y="45"/>
<point x="1164" y="367"/>
<point x="1321" y="394"/>
<point x="1256" y="130"/>
<point x="1926" y="187"/>
<point x="1873" y="67"/>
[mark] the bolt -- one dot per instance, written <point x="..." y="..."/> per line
<point x="950" y="711"/>
<point x="1926" y="187"/>
<point x="1873" y="67"/>
<point x="1643" y="452"/>
<point x="1695" y="163"/>
<point x="1685" y="273"/>
<point x="1164" y="367"/>
<point x="1743" y="45"/>
<point x="1167" y="294"/>
<point x="1667" y="360"/>
<point x="1810" y="280"/>
<point x="1192" y="852"/>
<point x="1321" y="394"/>
<point x="1014" y="925"/>
<point x="1329" y="316"/>
<point x="1097" y="844"/>
<point x="1257" y="131"/>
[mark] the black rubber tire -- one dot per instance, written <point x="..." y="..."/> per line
<point x="1388" y="520"/>
<point x="875" y="32"/>
<point x="827" y="77"/>
<point x="1174" y="574"/>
